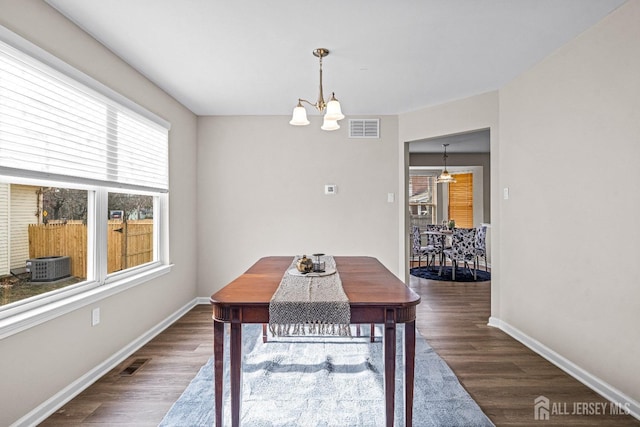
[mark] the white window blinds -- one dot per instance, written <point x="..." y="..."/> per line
<point x="54" y="126"/>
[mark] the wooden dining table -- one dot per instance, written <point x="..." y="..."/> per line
<point x="440" y="233"/>
<point x="375" y="296"/>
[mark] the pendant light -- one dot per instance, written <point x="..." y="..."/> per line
<point x="445" y="177"/>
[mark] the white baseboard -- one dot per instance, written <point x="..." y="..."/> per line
<point x="52" y="404"/>
<point x="203" y="300"/>
<point x="596" y="384"/>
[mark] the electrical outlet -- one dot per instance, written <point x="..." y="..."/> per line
<point x="95" y="316"/>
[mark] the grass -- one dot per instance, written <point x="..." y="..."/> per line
<point x="13" y="289"/>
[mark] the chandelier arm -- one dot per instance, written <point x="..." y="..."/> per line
<point x="308" y="102"/>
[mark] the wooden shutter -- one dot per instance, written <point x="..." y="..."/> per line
<point x="461" y="200"/>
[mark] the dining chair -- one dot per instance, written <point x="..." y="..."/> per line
<point x="481" y="245"/>
<point x="435" y="244"/>
<point x="462" y="250"/>
<point x="416" y="244"/>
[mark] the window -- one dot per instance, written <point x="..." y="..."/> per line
<point x="83" y="182"/>
<point x="46" y="226"/>
<point x="130" y="235"/>
<point x="422" y="197"/>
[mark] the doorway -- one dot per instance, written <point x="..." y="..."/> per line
<point x="468" y="203"/>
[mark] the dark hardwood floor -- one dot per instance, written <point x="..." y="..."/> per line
<point x="502" y="375"/>
<point x="142" y="399"/>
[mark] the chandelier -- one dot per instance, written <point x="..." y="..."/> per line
<point x="333" y="111"/>
<point x="445" y="177"/>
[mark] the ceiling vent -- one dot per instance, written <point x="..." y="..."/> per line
<point x="364" y="128"/>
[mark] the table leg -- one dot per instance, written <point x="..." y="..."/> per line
<point x="410" y="364"/>
<point x="218" y="367"/>
<point x="235" y="357"/>
<point x="390" y="364"/>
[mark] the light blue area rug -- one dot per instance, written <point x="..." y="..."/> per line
<point x="314" y="381"/>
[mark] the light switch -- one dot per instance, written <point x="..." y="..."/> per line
<point x="391" y="197"/>
<point x="505" y="193"/>
<point x="95" y="316"/>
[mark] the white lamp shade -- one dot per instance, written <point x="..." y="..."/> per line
<point x="334" y="112"/>
<point x="299" y="117"/>
<point x="329" y="124"/>
<point x="445" y="178"/>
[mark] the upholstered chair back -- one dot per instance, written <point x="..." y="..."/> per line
<point x="481" y="238"/>
<point x="463" y="244"/>
<point x="434" y="240"/>
<point x="416" y="242"/>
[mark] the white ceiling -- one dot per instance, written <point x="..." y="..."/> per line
<point x="254" y="57"/>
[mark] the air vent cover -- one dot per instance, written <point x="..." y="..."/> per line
<point x="133" y="367"/>
<point x="364" y="128"/>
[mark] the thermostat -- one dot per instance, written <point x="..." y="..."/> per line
<point x="330" y="189"/>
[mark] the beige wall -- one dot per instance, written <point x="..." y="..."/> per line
<point x="38" y="363"/>
<point x="569" y="153"/>
<point x="460" y="116"/>
<point x="261" y="192"/>
<point x="561" y="281"/>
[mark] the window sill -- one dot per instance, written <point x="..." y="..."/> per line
<point x="49" y="311"/>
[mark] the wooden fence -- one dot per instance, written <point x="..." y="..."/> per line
<point x="128" y="244"/>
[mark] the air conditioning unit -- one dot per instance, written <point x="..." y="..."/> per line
<point x="49" y="268"/>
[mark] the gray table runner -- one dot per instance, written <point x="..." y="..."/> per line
<point x="310" y="304"/>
